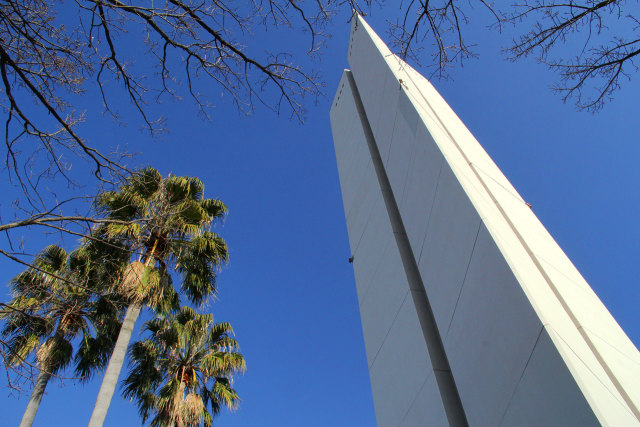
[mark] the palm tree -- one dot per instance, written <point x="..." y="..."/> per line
<point x="168" y="223"/>
<point x="55" y="301"/>
<point x="185" y="367"/>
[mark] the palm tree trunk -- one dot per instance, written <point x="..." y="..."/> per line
<point x="116" y="361"/>
<point x="36" y="397"/>
<point x="110" y="379"/>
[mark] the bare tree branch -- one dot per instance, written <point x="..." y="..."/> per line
<point x="52" y="58"/>
<point x="439" y="23"/>
<point x="601" y="28"/>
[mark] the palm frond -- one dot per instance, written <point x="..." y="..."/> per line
<point x="20" y="347"/>
<point x="145" y="182"/>
<point x="198" y="277"/>
<point x="225" y="394"/>
<point x="52" y="259"/>
<point x="184" y="368"/>
<point x="180" y="188"/>
<point x="122" y="205"/>
<point x="214" y="208"/>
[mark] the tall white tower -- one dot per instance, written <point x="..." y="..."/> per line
<point x="471" y="313"/>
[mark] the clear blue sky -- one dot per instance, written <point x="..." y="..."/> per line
<point x="289" y="291"/>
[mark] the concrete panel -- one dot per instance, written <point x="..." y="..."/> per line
<point x="377" y="228"/>
<point x="364" y="285"/>
<point x="400" y="370"/>
<point x="401" y="150"/>
<point x="372" y="261"/>
<point x="367" y="199"/>
<point x="422" y="180"/>
<point x="447" y="247"/>
<point x="370" y="70"/>
<point x="492" y="334"/>
<point x="386" y="293"/>
<point x="356" y="170"/>
<point x="344" y="125"/>
<point x="426" y="409"/>
<point x="383" y="124"/>
<point x="353" y="135"/>
<point x="352" y="153"/>
<point x="547" y="394"/>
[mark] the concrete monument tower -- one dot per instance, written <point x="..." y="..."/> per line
<point x="471" y="313"/>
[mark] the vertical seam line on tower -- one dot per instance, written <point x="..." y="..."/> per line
<point x="404" y="299"/>
<point x="506" y="409"/>
<point x="367" y="291"/>
<point x="433" y="203"/>
<point x="415" y="398"/>
<point x="463" y="280"/>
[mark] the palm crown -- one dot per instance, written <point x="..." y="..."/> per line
<point x="58" y="299"/>
<point x="185" y="367"/>
<point x="167" y="222"/>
